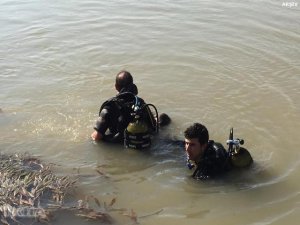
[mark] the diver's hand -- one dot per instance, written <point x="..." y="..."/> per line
<point x="96" y="136"/>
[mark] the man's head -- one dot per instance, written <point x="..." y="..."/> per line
<point x="196" y="139"/>
<point x="124" y="82"/>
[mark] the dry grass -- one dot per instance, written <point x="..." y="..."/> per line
<point x="29" y="189"/>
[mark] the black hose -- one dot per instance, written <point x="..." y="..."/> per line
<point x="157" y="122"/>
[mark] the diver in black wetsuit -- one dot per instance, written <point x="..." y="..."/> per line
<point x="207" y="158"/>
<point x="116" y="113"/>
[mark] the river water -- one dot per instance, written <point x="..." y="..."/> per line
<point x="222" y="63"/>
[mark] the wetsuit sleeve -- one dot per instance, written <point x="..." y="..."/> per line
<point x="102" y="122"/>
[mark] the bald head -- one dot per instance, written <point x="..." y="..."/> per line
<point x="124" y="81"/>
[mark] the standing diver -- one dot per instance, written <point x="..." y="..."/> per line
<point x="125" y="115"/>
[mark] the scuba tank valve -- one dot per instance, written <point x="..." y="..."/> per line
<point x="239" y="157"/>
<point x="235" y="142"/>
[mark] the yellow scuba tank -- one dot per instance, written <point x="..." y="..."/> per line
<point x="239" y="156"/>
<point x="137" y="126"/>
<point x="136" y="134"/>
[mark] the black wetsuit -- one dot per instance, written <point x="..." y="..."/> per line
<point x="116" y="113"/>
<point x="214" y="162"/>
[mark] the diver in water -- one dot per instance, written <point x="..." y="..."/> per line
<point x="210" y="159"/>
<point x="126" y="118"/>
<point x="206" y="157"/>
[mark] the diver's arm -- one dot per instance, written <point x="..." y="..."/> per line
<point x="101" y="125"/>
